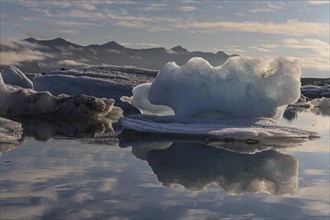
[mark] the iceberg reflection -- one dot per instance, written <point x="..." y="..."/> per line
<point x="195" y="165"/>
<point x="46" y="129"/>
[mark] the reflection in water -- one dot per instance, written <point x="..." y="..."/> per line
<point x="321" y="111"/>
<point x="129" y="138"/>
<point x="317" y="106"/>
<point x="196" y="165"/>
<point x="6" y="147"/>
<point x="45" y="129"/>
<point x="290" y="114"/>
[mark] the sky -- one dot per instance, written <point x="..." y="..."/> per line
<point x="298" y="29"/>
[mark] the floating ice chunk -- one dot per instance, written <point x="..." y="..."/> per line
<point x="28" y="102"/>
<point x="103" y="81"/>
<point x="140" y="100"/>
<point x="314" y="91"/>
<point x="242" y="87"/>
<point x="13" y="76"/>
<point x="238" y="129"/>
<point x="10" y="130"/>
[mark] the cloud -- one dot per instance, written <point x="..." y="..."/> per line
<point x="17" y="44"/>
<point x="154" y="23"/>
<point x="264" y="47"/>
<point x="291" y="27"/>
<point x="32" y="32"/>
<point x="268" y="8"/>
<point x="77" y="24"/>
<point x="187" y="8"/>
<point x="123" y="20"/>
<point x="154" y="7"/>
<point x="231" y="49"/>
<point x="124" y="17"/>
<point x="43" y="12"/>
<point x="15" y="58"/>
<point x="308" y="43"/>
<point x="318" y="2"/>
<point x="71" y="63"/>
<point x="140" y="45"/>
<point x="90" y="15"/>
<point x="239" y="14"/>
<point x="14" y="52"/>
<point x="316" y="53"/>
<point x="65" y="33"/>
<point x="130" y="24"/>
<point x="257" y="10"/>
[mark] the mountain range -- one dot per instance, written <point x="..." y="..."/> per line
<point x="59" y="53"/>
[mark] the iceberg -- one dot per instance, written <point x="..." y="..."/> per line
<point x="99" y="81"/>
<point x="241" y="87"/>
<point x="140" y="101"/>
<point x="315" y="91"/>
<point x="18" y="101"/>
<point x="244" y="99"/>
<point x="13" y="76"/>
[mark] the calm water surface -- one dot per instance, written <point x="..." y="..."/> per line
<point x="84" y="178"/>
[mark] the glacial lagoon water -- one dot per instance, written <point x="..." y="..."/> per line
<point x="60" y="176"/>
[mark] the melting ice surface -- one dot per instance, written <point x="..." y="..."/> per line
<point x="251" y="94"/>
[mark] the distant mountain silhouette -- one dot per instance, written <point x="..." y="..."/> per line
<point x="179" y="49"/>
<point x="57" y="42"/>
<point x="60" y="53"/>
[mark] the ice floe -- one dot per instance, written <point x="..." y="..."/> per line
<point x="102" y="81"/>
<point x="261" y="130"/>
<point x="14" y="76"/>
<point x="315" y="91"/>
<point x="17" y="101"/>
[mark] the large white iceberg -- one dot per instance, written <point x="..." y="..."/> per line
<point x="242" y="87"/>
<point x="243" y="99"/>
